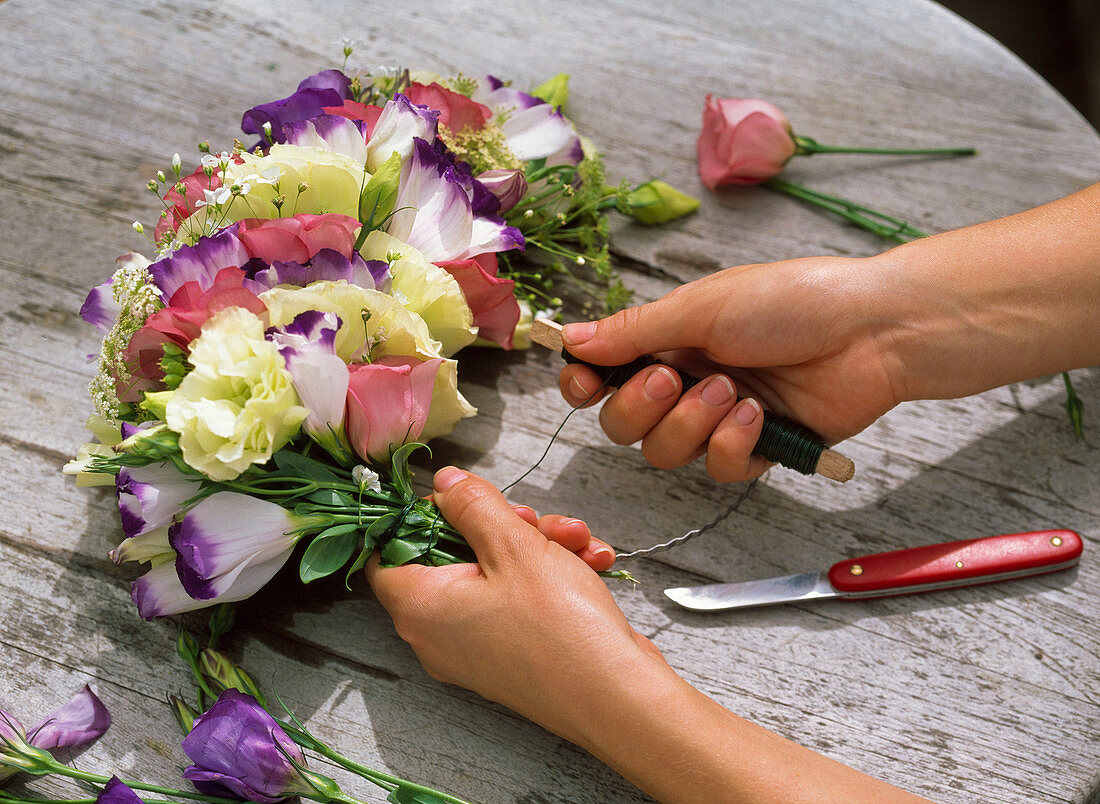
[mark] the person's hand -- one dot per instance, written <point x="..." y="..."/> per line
<point x="529" y="626"/>
<point x="532" y="627"/>
<point x="803" y="337"/>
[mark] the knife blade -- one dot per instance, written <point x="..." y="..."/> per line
<point x="900" y="572"/>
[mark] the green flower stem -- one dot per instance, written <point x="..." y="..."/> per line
<point x="95" y="778"/>
<point x="807" y="146"/>
<point x="383" y="780"/>
<point x="902" y="226"/>
<point x="1074" y="408"/>
<point x="872" y="220"/>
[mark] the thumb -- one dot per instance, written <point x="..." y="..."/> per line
<point x="683" y="319"/>
<point x="480" y="513"/>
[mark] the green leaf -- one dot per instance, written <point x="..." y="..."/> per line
<point x="1075" y="408"/>
<point x="379" y="195"/>
<point x="332" y="498"/>
<point x="402" y="476"/>
<point x="400" y="551"/>
<point x="371" y="537"/>
<point x="329" y="550"/>
<point x="291" y="462"/>
<point x="555" y="91"/>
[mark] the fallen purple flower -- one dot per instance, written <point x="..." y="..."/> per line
<point x="238" y="747"/>
<point x="80" y="721"/>
<point x="116" y="791"/>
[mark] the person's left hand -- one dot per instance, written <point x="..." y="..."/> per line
<point x="530" y="625"/>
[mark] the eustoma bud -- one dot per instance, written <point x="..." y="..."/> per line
<point x="743" y="141"/>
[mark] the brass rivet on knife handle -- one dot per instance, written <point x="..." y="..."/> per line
<point x="781" y="440"/>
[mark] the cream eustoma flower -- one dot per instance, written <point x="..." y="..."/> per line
<point x="238" y="405"/>
<point x="448" y="405"/>
<point x="425" y="289"/>
<point x="372" y="324"/>
<point x="331" y="182"/>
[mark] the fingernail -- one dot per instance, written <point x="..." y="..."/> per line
<point x="518" y="508"/>
<point x="447" y="477"/>
<point x="600" y="550"/>
<point x="746" y="411"/>
<point x="660" y="384"/>
<point x="576" y="334"/>
<point x="573" y="522"/>
<point x="577" y="389"/>
<point x="718" y="391"/>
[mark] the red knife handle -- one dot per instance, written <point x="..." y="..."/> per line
<point x="960" y="563"/>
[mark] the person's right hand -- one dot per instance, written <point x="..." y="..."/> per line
<point x="804" y="337"/>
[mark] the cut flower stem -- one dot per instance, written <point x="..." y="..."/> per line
<point x="865" y="217"/>
<point x="808" y="146"/>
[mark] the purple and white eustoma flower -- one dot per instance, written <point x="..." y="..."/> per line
<point x="400" y="124"/>
<point x="80" y="721"/>
<point x="331" y="132"/>
<point x="227" y="547"/>
<point x="199" y="263"/>
<point x="326" y="88"/>
<point x="308" y="346"/>
<point x="533" y="129"/>
<point x="435" y="211"/>
<point x="100" y="308"/>
<point x="237" y="747"/>
<point x="507" y="186"/>
<point x="150" y="496"/>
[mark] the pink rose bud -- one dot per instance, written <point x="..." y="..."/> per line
<point x="388" y="403"/>
<point x="743" y="141"/>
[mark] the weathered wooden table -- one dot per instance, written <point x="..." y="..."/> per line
<point x="989" y="694"/>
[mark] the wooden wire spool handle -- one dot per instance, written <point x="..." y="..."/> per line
<point x="782" y="441"/>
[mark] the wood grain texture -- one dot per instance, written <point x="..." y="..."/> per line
<point x="990" y="693"/>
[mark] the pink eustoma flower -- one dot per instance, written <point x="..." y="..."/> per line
<point x="353" y="110"/>
<point x="299" y="237"/>
<point x="743" y="141"/>
<point x="180" y="322"/>
<point x="491" y="299"/>
<point x="388" y="403"/>
<point x="456" y="112"/>
<point x="181" y="206"/>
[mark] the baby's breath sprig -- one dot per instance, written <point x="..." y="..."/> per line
<point x="563" y="219"/>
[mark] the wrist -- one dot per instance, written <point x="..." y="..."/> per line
<point x="995" y="303"/>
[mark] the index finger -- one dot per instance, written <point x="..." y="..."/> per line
<point x="682" y="319"/>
